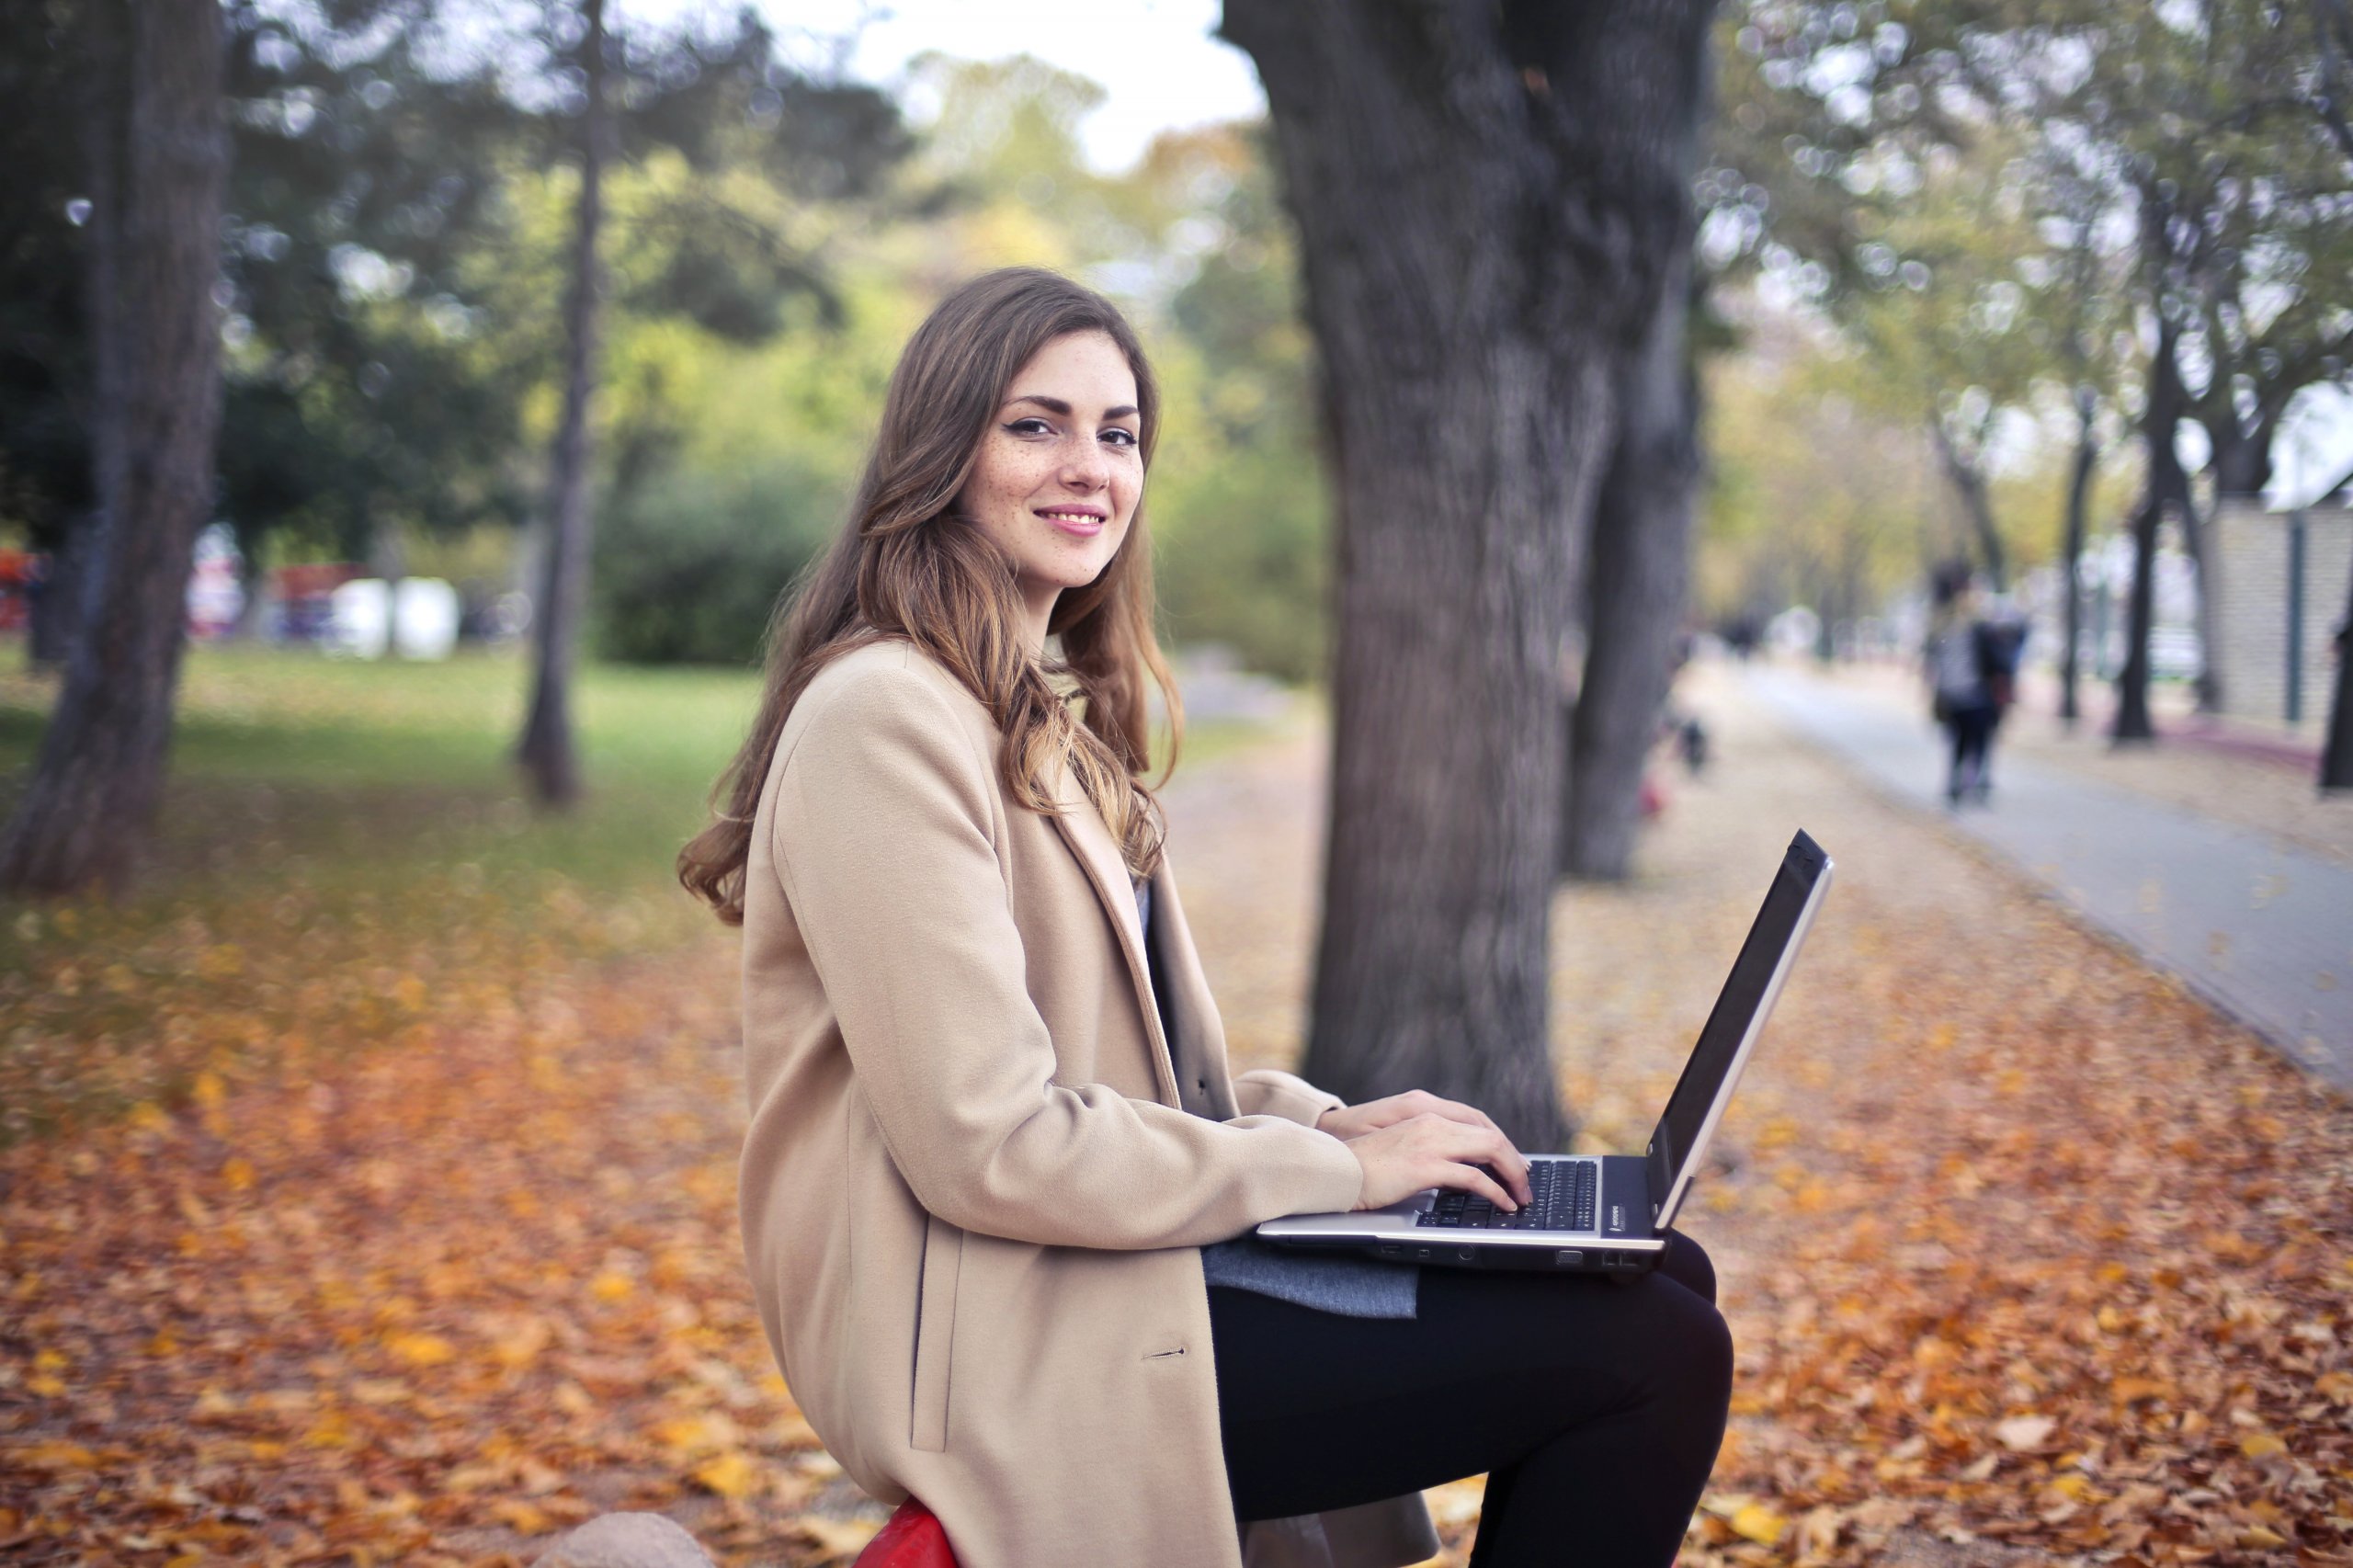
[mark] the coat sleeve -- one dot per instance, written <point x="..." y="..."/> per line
<point x="882" y="837"/>
<point x="1264" y="1091"/>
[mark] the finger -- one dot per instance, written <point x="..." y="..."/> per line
<point x="1515" y="1176"/>
<point x="1455" y="1111"/>
<point x="1489" y="1147"/>
<point x="1472" y="1178"/>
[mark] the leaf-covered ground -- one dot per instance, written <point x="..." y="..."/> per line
<point x="2023" y="1247"/>
<point x="2030" y="1257"/>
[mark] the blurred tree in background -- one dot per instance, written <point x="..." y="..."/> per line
<point x="150" y="94"/>
<point x="1983" y="240"/>
<point x="733" y="459"/>
<point x="2179" y="208"/>
<point x="1492" y="206"/>
<point x="47" y="381"/>
<point x="368" y="399"/>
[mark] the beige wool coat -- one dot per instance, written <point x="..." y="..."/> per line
<point x="973" y="1188"/>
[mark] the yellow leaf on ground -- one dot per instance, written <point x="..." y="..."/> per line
<point x="421" y="1349"/>
<point x="706" y="1433"/>
<point x="837" y="1540"/>
<point x="523" y="1519"/>
<point x="611" y="1286"/>
<point x="1759" y="1524"/>
<point x="2261" y="1445"/>
<point x="55" y="1456"/>
<point x="731" y="1474"/>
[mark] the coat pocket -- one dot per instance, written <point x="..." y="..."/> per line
<point x="943" y="1259"/>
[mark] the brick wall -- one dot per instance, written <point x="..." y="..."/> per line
<point x="2250" y="551"/>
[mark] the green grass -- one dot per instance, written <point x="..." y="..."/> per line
<point x="371" y="767"/>
<point x="346" y="857"/>
<point x="347" y="853"/>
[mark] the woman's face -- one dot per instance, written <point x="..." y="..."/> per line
<point x="1060" y="469"/>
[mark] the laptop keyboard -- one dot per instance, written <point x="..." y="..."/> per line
<point x="1564" y="1192"/>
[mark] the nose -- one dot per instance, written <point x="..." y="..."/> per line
<point x="1085" y="467"/>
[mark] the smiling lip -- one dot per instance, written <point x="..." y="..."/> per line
<point x="1084" y="521"/>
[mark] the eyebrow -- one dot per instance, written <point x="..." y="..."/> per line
<point x="1056" y="405"/>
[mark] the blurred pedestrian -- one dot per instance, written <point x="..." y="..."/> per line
<point x="1971" y="666"/>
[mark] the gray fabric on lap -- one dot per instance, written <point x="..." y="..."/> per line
<point x="1337" y="1283"/>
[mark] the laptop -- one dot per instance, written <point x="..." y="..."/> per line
<point x="1605" y="1214"/>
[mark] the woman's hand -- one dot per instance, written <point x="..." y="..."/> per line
<point x="1402" y="1157"/>
<point x="1347" y="1122"/>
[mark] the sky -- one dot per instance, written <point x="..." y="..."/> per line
<point x="1163" y="69"/>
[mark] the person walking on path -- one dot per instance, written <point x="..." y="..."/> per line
<point x="996" y="1169"/>
<point x="1971" y="662"/>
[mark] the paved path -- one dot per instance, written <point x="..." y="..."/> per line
<point x="2262" y="929"/>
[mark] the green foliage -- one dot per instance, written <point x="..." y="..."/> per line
<point x="1992" y="202"/>
<point x="731" y="463"/>
<point x="396" y="265"/>
<point x="689" y="568"/>
<point x="45" y="360"/>
<point x="1241" y="505"/>
<point x="1791" y="515"/>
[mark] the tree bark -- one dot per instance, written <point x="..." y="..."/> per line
<point x="160" y="165"/>
<point x="1486" y="196"/>
<point x="2209" y="684"/>
<point x="2163" y="410"/>
<point x="1637" y="574"/>
<point x="1969" y="482"/>
<point x="2071" y="553"/>
<point x="57" y="609"/>
<point x="547" y="753"/>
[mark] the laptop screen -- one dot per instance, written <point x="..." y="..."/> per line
<point x="1747" y="993"/>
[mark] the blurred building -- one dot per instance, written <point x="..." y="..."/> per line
<point x="2280" y="582"/>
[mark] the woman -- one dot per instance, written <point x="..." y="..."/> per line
<point x="1967" y="680"/>
<point x="992" y="1131"/>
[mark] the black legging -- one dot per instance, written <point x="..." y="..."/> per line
<point x="1972" y="732"/>
<point x="1595" y="1408"/>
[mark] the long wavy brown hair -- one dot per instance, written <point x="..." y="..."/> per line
<point x="908" y="566"/>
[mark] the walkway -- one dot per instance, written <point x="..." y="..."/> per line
<point x="2261" y="928"/>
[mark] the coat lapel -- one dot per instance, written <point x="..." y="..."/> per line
<point x="1099" y="854"/>
<point x="1198" y="1050"/>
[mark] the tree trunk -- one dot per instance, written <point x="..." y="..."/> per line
<point x="2165" y="406"/>
<point x="2079" y="490"/>
<point x="2209" y="684"/>
<point x="550" y="761"/>
<point x="57" y="609"/>
<point x="2336" y="754"/>
<point x="1969" y="482"/>
<point x="1486" y="196"/>
<point x="253" y="585"/>
<point x="1637" y="574"/>
<point x="156" y="184"/>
